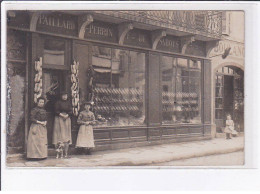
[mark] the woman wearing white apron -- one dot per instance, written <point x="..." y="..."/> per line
<point x="85" y="137"/>
<point x="37" y="147"/>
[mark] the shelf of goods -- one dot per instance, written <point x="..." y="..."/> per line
<point x="183" y="101"/>
<point x="117" y="99"/>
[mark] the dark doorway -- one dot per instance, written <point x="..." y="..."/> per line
<point x="53" y="84"/>
<point x="228" y="95"/>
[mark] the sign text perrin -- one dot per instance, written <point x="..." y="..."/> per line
<point x="98" y="30"/>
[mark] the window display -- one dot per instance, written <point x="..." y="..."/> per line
<point x="181" y="86"/>
<point x="119" y="86"/>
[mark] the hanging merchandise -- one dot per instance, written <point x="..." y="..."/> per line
<point x="75" y="87"/>
<point x="38" y="80"/>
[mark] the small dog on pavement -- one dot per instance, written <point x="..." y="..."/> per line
<point x="59" y="149"/>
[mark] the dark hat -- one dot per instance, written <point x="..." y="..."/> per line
<point x="63" y="93"/>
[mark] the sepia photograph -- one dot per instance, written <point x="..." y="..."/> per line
<point x="125" y="88"/>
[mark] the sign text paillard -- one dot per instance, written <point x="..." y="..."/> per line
<point x="57" y="22"/>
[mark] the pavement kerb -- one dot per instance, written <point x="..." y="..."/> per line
<point x="153" y="159"/>
<point x="175" y="158"/>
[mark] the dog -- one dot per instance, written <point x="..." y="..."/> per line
<point x="59" y="149"/>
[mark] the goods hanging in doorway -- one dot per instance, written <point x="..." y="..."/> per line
<point x="75" y="87"/>
<point x="38" y="80"/>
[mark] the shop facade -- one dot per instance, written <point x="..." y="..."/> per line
<point x="147" y="72"/>
<point x="228" y="65"/>
<point x="228" y="84"/>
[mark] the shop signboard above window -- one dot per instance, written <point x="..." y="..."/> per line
<point x="236" y="49"/>
<point x="196" y="48"/>
<point x="18" y="19"/>
<point x="101" y="31"/>
<point x="137" y="37"/>
<point x="58" y="23"/>
<point x="169" y="43"/>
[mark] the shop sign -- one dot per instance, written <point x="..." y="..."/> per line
<point x="137" y="37"/>
<point x="196" y="48"/>
<point x="18" y="19"/>
<point x="169" y="43"/>
<point x="101" y="31"/>
<point x="57" y="23"/>
<point x="237" y="50"/>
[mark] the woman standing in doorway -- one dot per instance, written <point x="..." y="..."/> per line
<point x="62" y="122"/>
<point x="85" y="137"/>
<point x="37" y="138"/>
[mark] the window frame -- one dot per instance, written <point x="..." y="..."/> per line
<point x="176" y="57"/>
<point x="146" y="74"/>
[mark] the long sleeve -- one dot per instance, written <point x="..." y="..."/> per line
<point x="57" y="108"/>
<point x="33" y="115"/>
<point x="93" y="117"/>
<point x="69" y="109"/>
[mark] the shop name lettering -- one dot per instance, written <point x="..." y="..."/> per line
<point x="135" y="36"/>
<point x="101" y="31"/>
<point x="236" y="50"/>
<point x="169" y="43"/>
<point x="56" y="22"/>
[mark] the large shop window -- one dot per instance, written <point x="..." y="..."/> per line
<point x="119" y="86"/>
<point x="181" y="90"/>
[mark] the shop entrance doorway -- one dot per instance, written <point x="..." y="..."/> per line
<point x="56" y="57"/>
<point x="229" y="97"/>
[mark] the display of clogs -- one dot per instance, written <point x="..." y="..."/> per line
<point x="38" y="80"/>
<point x="75" y="87"/>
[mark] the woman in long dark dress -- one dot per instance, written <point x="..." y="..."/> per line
<point x="62" y="122"/>
<point x="37" y="145"/>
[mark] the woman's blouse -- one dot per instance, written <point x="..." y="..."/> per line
<point x="38" y="114"/>
<point x="229" y="123"/>
<point x="63" y="106"/>
<point x="85" y="116"/>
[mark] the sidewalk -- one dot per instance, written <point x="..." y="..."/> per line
<point x="139" y="156"/>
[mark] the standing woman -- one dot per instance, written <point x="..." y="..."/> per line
<point x="37" y="138"/>
<point x="85" y="137"/>
<point x="62" y="122"/>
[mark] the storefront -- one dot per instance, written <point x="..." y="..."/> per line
<point x="228" y="89"/>
<point x="150" y="82"/>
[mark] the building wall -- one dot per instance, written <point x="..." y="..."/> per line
<point x="233" y="38"/>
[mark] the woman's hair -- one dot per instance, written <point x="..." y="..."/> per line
<point x="40" y="98"/>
